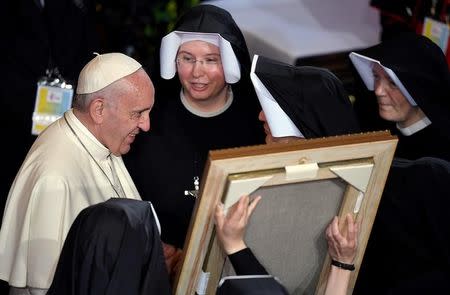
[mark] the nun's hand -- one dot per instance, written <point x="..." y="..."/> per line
<point x="231" y="226"/>
<point x="342" y="247"/>
<point x="172" y="256"/>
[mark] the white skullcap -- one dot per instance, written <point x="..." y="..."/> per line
<point x="105" y="69"/>
<point x="172" y="41"/>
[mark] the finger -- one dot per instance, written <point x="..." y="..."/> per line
<point x="336" y="234"/>
<point x="253" y="205"/>
<point x="241" y="209"/>
<point x="330" y="237"/>
<point x="232" y="209"/>
<point x="351" y="229"/>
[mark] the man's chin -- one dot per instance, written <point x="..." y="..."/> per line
<point x="124" y="149"/>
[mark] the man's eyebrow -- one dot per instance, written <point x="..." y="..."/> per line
<point x="142" y="110"/>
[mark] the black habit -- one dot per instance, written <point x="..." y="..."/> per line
<point x="409" y="248"/>
<point x="164" y="162"/>
<point x="112" y="248"/>
<point x="422" y="68"/>
<point x="313" y="98"/>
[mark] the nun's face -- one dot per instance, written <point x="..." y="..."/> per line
<point x="269" y="137"/>
<point x="392" y="104"/>
<point x="201" y="74"/>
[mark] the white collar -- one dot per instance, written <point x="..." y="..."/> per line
<point x="98" y="150"/>
<point x="411" y="129"/>
<point x="208" y="114"/>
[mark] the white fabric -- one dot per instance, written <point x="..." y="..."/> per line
<point x="208" y="114"/>
<point x="172" y="41"/>
<point x="27" y="291"/>
<point x="279" y="122"/>
<point x="364" y="66"/>
<point x="210" y="38"/>
<point x="56" y="181"/>
<point x="115" y="178"/>
<point x="415" y="127"/>
<point x="105" y="69"/>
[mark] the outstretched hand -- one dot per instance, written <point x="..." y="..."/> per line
<point x="172" y="257"/>
<point x="231" y="226"/>
<point x="342" y="247"/>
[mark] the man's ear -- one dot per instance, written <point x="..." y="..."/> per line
<point x="97" y="110"/>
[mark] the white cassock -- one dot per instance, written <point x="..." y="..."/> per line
<point x="58" y="179"/>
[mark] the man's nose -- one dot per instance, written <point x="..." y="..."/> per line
<point x="144" y="124"/>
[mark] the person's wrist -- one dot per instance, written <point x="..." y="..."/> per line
<point x="343" y="265"/>
<point x="235" y="247"/>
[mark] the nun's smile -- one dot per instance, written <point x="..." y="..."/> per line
<point x="201" y="74"/>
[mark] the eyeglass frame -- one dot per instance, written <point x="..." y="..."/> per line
<point x="183" y="61"/>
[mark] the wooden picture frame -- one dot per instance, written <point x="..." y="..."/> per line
<point x="353" y="167"/>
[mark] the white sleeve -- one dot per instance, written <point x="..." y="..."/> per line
<point x="47" y="210"/>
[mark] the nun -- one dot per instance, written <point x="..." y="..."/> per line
<point x="408" y="251"/>
<point x="411" y="80"/>
<point x="301" y="102"/>
<point x="207" y="102"/>
<point x="297" y="103"/>
<point x="112" y="248"/>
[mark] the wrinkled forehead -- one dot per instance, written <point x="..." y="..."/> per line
<point x="379" y="71"/>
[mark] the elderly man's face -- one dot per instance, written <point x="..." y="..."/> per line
<point x="392" y="104"/>
<point x="129" y="114"/>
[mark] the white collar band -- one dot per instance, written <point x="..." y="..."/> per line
<point x="415" y="127"/>
<point x="207" y="114"/>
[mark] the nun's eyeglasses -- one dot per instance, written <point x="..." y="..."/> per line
<point x="188" y="61"/>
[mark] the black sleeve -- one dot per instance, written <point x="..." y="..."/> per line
<point x="245" y="263"/>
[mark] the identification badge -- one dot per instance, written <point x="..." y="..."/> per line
<point x="53" y="98"/>
<point x="437" y="31"/>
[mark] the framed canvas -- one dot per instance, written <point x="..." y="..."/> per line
<point x="303" y="184"/>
